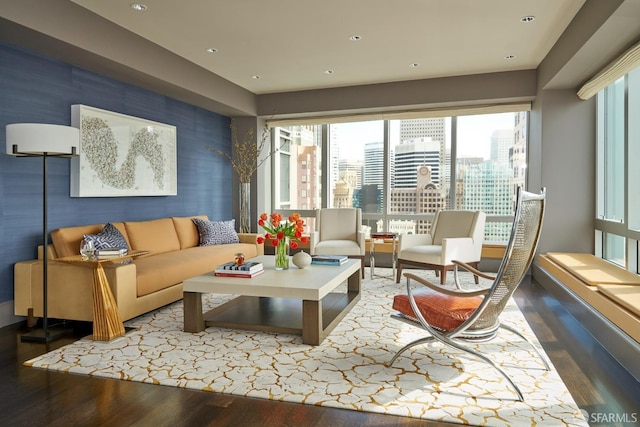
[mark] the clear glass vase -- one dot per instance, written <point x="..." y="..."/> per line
<point x="245" y="208"/>
<point x="282" y="254"/>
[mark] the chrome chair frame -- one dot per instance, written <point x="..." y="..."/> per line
<point x="483" y="324"/>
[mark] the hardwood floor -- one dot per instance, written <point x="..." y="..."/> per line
<point x="34" y="397"/>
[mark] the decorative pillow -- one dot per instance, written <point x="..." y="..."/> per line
<point x="216" y="232"/>
<point x="109" y="237"/>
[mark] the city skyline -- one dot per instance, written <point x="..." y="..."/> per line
<point x="474" y="134"/>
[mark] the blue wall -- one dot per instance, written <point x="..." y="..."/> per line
<point x="37" y="89"/>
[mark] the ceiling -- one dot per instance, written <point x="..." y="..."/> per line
<point x="292" y="44"/>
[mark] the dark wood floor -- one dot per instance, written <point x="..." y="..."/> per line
<point x="34" y="397"/>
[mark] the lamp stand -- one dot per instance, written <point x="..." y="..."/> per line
<point x="46" y="334"/>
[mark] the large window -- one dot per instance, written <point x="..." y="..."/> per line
<point x="400" y="172"/>
<point x="618" y="174"/>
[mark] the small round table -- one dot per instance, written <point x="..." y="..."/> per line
<point x="372" y="250"/>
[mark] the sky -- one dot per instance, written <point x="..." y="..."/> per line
<point x="474" y="134"/>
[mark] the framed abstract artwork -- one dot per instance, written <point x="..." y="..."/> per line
<point x="122" y="155"/>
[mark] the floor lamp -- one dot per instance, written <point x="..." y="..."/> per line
<point x="43" y="140"/>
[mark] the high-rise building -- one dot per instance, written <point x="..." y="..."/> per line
<point x="334" y="156"/>
<point x="423" y="198"/>
<point x="519" y="151"/>
<point x="410" y="156"/>
<point x="373" y="173"/>
<point x="298" y="160"/>
<point x="373" y="177"/>
<point x="487" y="187"/>
<point x="423" y="128"/>
<point x="501" y="145"/>
<point x="351" y="171"/>
<point x="434" y="128"/>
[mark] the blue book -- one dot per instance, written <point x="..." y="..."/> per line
<point x="329" y="259"/>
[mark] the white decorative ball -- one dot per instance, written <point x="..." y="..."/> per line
<point x="301" y="259"/>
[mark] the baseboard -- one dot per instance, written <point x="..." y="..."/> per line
<point x="615" y="341"/>
<point x="6" y="314"/>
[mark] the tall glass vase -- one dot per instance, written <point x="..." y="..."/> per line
<point x="245" y="207"/>
<point x="282" y="254"/>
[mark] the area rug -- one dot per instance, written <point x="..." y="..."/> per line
<point x="346" y="371"/>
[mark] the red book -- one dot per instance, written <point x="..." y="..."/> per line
<point x="247" y="275"/>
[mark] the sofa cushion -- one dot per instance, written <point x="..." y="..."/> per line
<point x="108" y="237"/>
<point x="165" y="270"/>
<point x="156" y="236"/>
<point x="216" y="232"/>
<point x="187" y="230"/>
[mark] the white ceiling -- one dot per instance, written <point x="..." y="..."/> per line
<point x="291" y="43"/>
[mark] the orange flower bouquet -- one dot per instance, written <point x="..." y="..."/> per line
<point x="282" y="234"/>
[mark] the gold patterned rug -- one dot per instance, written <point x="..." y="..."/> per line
<point x="346" y="371"/>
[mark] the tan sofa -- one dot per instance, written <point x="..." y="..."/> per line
<point x="144" y="284"/>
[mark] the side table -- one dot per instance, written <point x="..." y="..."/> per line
<point x="107" y="323"/>
<point x="372" y="250"/>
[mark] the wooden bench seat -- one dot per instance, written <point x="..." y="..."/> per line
<point x="612" y="291"/>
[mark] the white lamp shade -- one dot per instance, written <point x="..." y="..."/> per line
<point x="37" y="139"/>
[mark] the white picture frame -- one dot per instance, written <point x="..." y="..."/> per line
<point x="121" y="155"/>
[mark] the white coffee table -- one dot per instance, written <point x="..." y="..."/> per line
<point x="296" y="301"/>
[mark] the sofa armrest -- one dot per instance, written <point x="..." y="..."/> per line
<point x="69" y="288"/>
<point x="252" y="238"/>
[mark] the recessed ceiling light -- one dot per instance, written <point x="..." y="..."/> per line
<point x="328" y="71"/>
<point x="138" y="6"/>
<point x="526" y="19"/>
<point x="414" y="65"/>
<point x="510" y="57"/>
<point x="212" y="50"/>
<point x="255" y="76"/>
<point x="355" y="38"/>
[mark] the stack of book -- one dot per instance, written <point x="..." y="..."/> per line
<point x="111" y="252"/>
<point x="329" y="259"/>
<point x="247" y="269"/>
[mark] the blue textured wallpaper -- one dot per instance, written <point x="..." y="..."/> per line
<point x="37" y="89"/>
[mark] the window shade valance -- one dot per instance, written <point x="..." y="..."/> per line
<point x="612" y="72"/>
<point x="408" y="114"/>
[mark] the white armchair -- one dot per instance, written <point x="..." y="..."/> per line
<point x="454" y="235"/>
<point x="339" y="232"/>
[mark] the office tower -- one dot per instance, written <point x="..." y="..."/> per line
<point x="410" y="156"/>
<point x="373" y="173"/>
<point x="351" y="171"/>
<point x="423" y="128"/>
<point x="373" y="177"/>
<point x="501" y="145"/>
<point x="434" y="128"/>
<point x="519" y="151"/>
<point x="487" y="187"/>
<point x="464" y="164"/>
<point x="298" y="160"/>
<point x="424" y="197"/>
<point x="334" y="156"/>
